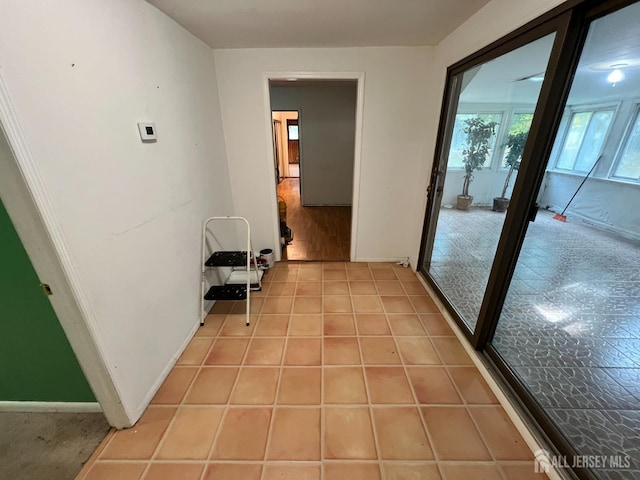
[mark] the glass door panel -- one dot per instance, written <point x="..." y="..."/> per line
<point x="491" y="108"/>
<point x="570" y="325"/>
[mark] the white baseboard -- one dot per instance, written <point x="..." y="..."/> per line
<point x="57" y="407"/>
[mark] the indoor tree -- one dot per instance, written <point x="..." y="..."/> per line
<point x="478" y="145"/>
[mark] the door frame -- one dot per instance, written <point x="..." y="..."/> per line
<point x="29" y="206"/>
<point x="357" y="156"/>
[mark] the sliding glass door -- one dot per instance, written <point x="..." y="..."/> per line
<point x="570" y="326"/>
<point x="545" y="124"/>
<point x="491" y="108"/>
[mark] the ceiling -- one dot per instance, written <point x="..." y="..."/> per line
<point x="614" y="39"/>
<point x="319" y="23"/>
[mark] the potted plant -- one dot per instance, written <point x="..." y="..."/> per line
<point x="515" y="144"/>
<point x="478" y="133"/>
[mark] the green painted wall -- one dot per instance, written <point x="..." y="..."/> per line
<point x="36" y="360"/>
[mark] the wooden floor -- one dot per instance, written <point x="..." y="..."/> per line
<point x="319" y="233"/>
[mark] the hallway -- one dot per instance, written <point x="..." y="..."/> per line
<point x="319" y="233"/>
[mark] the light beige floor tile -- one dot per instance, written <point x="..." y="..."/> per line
<point x="451" y="351"/>
<point x="372" y="324"/>
<point x="140" y="441"/>
<point x="291" y="472"/>
<point x="397" y="304"/>
<point x="174" y="471"/>
<point x="356" y="274"/>
<point x="308" y="289"/>
<point x="348" y="433"/>
<point x="389" y="287"/>
<point x="306" y="325"/>
<point x="196" y="351"/>
<point x="502" y="438"/>
<point x="255" y="386"/>
<point x="243" y="434"/>
<point x="404" y="471"/>
<point x="470" y="471"/>
<point x="454" y="434"/>
<point x="379" y="351"/>
<point x="300" y="386"/>
<point x="335" y="288"/>
<point x="400" y="434"/>
<point x="436" y="325"/>
<point x="227" y="351"/>
<point x="191" y="433"/>
<point x="236" y="326"/>
<point x="351" y="471"/>
<point x="363" y="288"/>
<point x="417" y="351"/>
<point x="275" y="325"/>
<point x="277" y="304"/>
<point x="341" y="351"/>
<point x="432" y="385"/>
<point x="212" y="385"/>
<point x="306" y="305"/>
<point x="232" y="471"/>
<point x="332" y="275"/>
<point x="282" y="289"/>
<point x="111" y="471"/>
<point x="175" y="386"/>
<point x="339" y="324"/>
<point x="303" y="351"/>
<point x="404" y="324"/>
<point x="388" y="385"/>
<point x="367" y="304"/>
<point x="265" y="351"/>
<point x="212" y="325"/>
<point x="472" y="386"/>
<point x="337" y="304"/>
<point x="295" y="434"/>
<point x="344" y="385"/>
<point x="424" y="304"/>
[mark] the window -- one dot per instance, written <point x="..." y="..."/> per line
<point x="520" y="122"/>
<point x="629" y="161"/>
<point x="293" y="132"/>
<point x="459" y="141"/>
<point x="583" y="140"/>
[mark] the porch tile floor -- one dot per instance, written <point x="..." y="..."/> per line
<point x="347" y="372"/>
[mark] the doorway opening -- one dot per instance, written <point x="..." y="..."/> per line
<point x="314" y="138"/>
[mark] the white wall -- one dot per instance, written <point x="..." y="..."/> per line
<point x="395" y="111"/>
<point x="327" y="128"/>
<point x="80" y="74"/>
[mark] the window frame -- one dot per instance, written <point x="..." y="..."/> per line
<point x="565" y="125"/>
<point x="633" y="119"/>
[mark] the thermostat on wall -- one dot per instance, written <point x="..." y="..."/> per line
<point x="147" y="132"/>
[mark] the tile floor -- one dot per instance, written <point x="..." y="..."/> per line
<point x="570" y="326"/>
<point x="348" y="372"/>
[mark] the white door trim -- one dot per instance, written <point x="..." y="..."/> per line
<point x="357" y="155"/>
<point x="29" y="206"/>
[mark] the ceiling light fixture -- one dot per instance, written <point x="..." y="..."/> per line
<point x="615" y="77"/>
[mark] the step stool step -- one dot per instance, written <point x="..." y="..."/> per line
<point x="227" y="259"/>
<point x="227" y="292"/>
